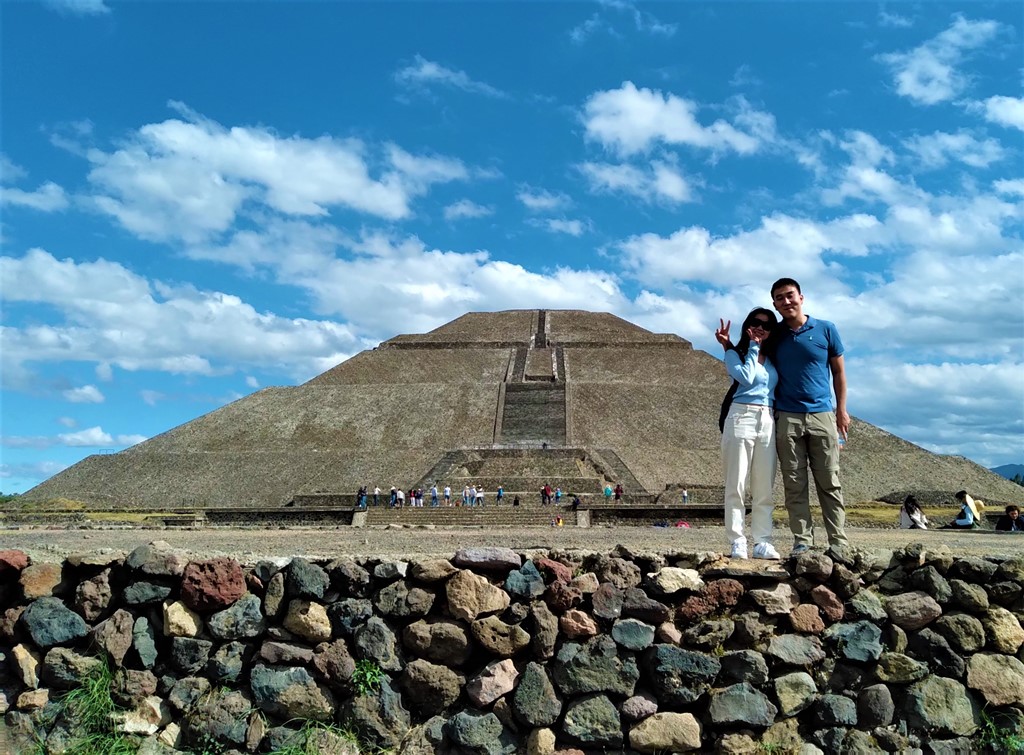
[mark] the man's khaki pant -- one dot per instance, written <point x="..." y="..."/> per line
<point x="804" y="440"/>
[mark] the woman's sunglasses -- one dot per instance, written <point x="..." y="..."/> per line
<point x="762" y="324"/>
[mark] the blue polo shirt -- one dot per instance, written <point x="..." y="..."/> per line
<point x="801" y="359"/>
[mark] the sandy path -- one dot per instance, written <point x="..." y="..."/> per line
<point x="249" y="545"/>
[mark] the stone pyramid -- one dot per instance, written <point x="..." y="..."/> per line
<point x="520" y="397"/>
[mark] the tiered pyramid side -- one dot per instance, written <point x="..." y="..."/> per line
<point x="388" y="416"/>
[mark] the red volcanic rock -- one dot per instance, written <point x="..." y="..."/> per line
<point x="560" y="597"/>
<point x="12" y="560"/>
<point x="212" y="584"/>
<point x="806" y="619"/>
<point x="725" y="592"/>
<point x="560" y="572"/>
<point x="829" y="603"/>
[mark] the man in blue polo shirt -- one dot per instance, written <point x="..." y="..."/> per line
<point x="808" y="355"/>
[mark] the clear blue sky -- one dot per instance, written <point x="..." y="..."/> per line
<point x="203" y="199"/>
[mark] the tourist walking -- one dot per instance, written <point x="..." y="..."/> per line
<point x="448" y="495"/>
<point x="808" y="356"/>
<point x="500" y="495"/>
<point x="748" y="434"/>
<point x="618" y="492"/>
<point x="376" y="495"/>
<point x="433" y="496"/>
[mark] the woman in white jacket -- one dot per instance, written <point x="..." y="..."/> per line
<point x="748" y="434"/>
<point x="911" y="516"/>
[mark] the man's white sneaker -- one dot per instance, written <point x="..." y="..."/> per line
<point x="739" y="550"/>
<point x="766" y="551"/>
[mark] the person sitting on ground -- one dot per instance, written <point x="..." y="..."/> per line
<point x="969" y="513"/>
<point x="911" y="516"/>
<point x="515" y="501"/>
<point x="1010" y="521"/>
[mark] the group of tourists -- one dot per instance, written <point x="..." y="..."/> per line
<point x="472" y="495"/>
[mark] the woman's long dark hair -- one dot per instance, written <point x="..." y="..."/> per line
<point x="743" y="345"/>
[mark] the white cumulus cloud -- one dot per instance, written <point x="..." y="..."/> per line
<point x="190" y="178"/>
<point x="938" y="149"/>
<point x="659" y="182"/>
<point x="629" y="119"/>
<point x="86" y="394"/>
<point x="79" y="7"/>
<point x="423" y="73"/>
<point x="465" y="208"/>
<point x="1006" y="111"/>
<point x="539" y="200"/>
<point x="929" y="74"/>
<point x="47" y="198"/>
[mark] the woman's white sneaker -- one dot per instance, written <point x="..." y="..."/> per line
<point x="766" y="551"/>
<point x="739" y="550"/>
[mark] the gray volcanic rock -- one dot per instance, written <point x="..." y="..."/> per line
<point x="224" y="718"/>
<point x="963" y="631"/>
<point x="743" y="666"/>
<point x="741" y="704"/>
<point x="594" y="667"/>
<point x="304" y="579"/>
<point x="430" y="688"/>
<point x="488" y="559"/>
<point x="349" y="578"/>
<point x="49" y="622"/>
<point x="593" y="721"/>
<point x="242" y="620"/>
<point x="526" y="583"/>
<point x="227" y="662"/>
<point x="795" y="692"/>
<point x="912" y="610"/>
<point x="875" y="706"/>
<point x="441" y="641"/>
<point x="376" y="642"/>
<point x="796" y="650"/>
<point x="535" y="701"/>
<point x="941" y="704"/>
<point x="679" y="676"/>
<point x="545" y="630"/>
<point x="190" y="655"/>
<point x="859" y="641"/>
<point x="349" y="614"/>
<point x="140" y="593"/>
<point x="290" y="692"/>
<point x="481" y="733"/>
<point x="972" y="569"/>
<point x="633" y="634"/>
<point x="63" y="668"/>
<point x="398" y="600"/>
<point x="381" y="717"/>
<point x="144" y="643"/>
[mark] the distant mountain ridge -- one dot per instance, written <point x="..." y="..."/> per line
<point x="1009" y="471"/>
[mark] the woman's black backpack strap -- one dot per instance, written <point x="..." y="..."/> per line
<point x="726" y="403"/>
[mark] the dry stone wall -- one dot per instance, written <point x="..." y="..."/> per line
<point x="497" y="651"/>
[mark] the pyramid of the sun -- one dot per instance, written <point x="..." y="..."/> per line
<point x="518" y="397"/>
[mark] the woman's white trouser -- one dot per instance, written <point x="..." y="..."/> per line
<point x="748" y="463"/>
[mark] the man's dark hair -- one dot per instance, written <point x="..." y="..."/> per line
<point x="785" y="282"/>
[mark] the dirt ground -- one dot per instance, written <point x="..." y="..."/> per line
<point x="250" y="545"/>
